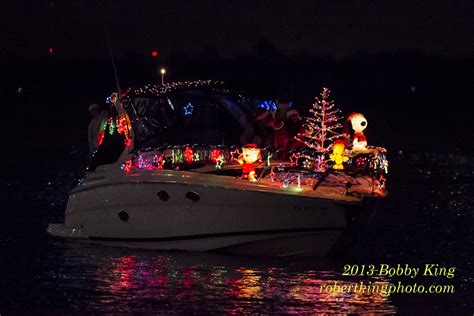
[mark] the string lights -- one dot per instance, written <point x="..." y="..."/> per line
<point x="173" y="156"/>
<point x="305" y="168"/>
<point x="115" y="125"/>
<point x="164" y="89"/>
<point x="188" y="109"/>
<point x="320" y="129"/>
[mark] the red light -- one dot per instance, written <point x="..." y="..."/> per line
<point x="100" y="138"/>
<point x="215" y="155"/>
<point x="154" y="53"/>
<point x="188" y="155"/>
<point x="50" y="50"/>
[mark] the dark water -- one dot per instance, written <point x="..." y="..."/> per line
<point x="428" y="218"/>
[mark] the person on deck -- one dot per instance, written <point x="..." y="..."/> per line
<point x="95" y="125"/>
<point x="262" y="132"/>
<point x="294" y="124"/>
<point x="270" y="131"/>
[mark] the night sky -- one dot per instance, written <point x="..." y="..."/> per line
<point x="75" y="28"/>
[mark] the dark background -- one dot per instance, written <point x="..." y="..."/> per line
<point x="407" y="66"/>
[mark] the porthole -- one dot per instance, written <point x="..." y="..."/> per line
<point x="124" y="217"/>
<point x="192" y="196"/>
<point x="163" y="195"/>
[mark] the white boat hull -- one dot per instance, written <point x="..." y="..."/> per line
<point x="317" y="244"/>
<point x="244" y="219"/>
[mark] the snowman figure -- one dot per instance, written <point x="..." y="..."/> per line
<point x="358" y="123"/>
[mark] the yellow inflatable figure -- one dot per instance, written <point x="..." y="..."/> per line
<point x="338" y="155"/>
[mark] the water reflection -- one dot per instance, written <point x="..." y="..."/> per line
<point x="248" y="285"/>
<point x="328" y="293"/>
<point x="184" y="282"/>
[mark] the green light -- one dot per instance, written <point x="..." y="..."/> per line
<point x="269" y="157"/>
<point x="112" y="127"/>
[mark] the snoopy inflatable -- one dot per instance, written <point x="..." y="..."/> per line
<point x="358" y="123"/>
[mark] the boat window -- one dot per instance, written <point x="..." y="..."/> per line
<point x="234" y="124"/>
<point x="190" y="117"/>
<point x="199" y="119"/>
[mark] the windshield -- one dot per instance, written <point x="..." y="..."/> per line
<point x="187" y="117"/>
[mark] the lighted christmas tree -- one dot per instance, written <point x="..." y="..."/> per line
<point x="323" y="127"/>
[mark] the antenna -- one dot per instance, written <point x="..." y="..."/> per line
<point x="113" y="61"/>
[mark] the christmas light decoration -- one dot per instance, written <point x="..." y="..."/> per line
<point x="144" y="164"/>
<point x="312" y="161"/>
<point x="155" y="158"/>
<point x="220" y="162"/>
<point x="100" y="137"/>
<point x="272" y="174"/>
<point x="215" y="154"/>
<point x="101" y="133"/>
<point x="306" y="167"/>
<point x="188" y="109"/>
<point x="127" y="166"/>
<point x="269" y="158"/>
<point x="235" y="154"/>
<point x="381" y="161"/>
<point x="321" y="129"/>
<point x="116" y="125"/>
<point x="282" y="174"/>
<point x="177" y="155"/>
<point x="380" y="168"/>
<point x="268" y="105"/>
<point x="165" y="89"/>
<point x="112" y="126"/>
<point x="158" y="161"/>
<point x="123" y="126"/>
<point x="293" y="178"/>
<point x="188" y="155"/>
<point x="296" y="177"/>
<point x="374" y="164"/>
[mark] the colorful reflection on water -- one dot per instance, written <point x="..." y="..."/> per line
<point x="148" y="282"/>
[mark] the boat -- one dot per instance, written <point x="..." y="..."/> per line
<point x="168" y="176"/>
